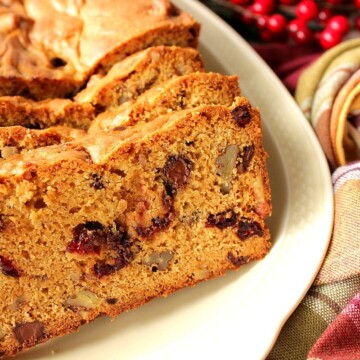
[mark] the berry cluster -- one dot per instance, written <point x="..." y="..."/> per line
<point x="303" y="21"/>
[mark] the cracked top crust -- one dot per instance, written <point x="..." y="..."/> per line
<point x="50" y="48"/>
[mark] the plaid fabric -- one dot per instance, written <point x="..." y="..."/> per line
<point x="326" y="325"/>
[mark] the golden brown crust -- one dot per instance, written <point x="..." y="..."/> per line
<point x="129" y="78"/>
<point x="50" y="48"/>
<point x="183" y="92"/>
<point x="17" y="110"/>
<point x="146" y="228"/>
<point x="15" y="139"/>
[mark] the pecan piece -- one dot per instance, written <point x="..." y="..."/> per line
<point x="29" y="333"/>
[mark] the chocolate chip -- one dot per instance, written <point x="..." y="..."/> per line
<point x="97" y="182"/>
<point x="30" y="333"/>
<point x="245" y="158"/>
<point x="248" y="228"/>
<point x="242" y="115"/>
<point x="7" y="267"/>
<point x="222" y="220"/>
<point x="237" y="260"/>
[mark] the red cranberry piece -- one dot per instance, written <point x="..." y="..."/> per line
<point x="87" y="238"/>
<point x="97" y="183"/>
<point x="7" y="267"/>
<point x="157" y="225"/>
<point x="237" y="260"/>
<point x="102" y="268"/>
<point x="177" y="172"/>
<point x="246" y="156"/>
<point x="241" y="115"/>
<point x="248" y="228"/>
<point x="222" y="220"/>
<point x="2" y="223"/>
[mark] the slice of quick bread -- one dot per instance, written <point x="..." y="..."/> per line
<point x="15" y="139"/>
<point x="125" y="81"/>
<point x="50" y="48"/>
<point x="183" y="92"/>
<point x="105" y="223"/>
<point x="137" y="73"/>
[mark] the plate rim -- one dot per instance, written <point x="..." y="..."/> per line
<point x="235" y="36"/>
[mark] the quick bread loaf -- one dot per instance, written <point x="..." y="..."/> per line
<point x="128" y="218"/>
<point x="126" y="172"/>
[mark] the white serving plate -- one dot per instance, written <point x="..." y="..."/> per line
<point x="240" y="315"/>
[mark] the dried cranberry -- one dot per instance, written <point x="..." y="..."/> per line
<point x="245" y="158"/>
<point x="237" y="260"/>
<point x="248" y="228"/>
<point x="87" y="238"/>
<point x="176" y="171"/>
<point x="7" y="267"/>
<point x="157" y="224"/>
<point x="102" y="268"/>
<point x="111" y="301"/>
<point x="222" y="220"/>
<point x="2" y="223"/>
<point x="97" y="182"/>
<point x="241" y="115"/>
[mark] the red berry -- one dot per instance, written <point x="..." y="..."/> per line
<point x="357" y="23"/>
<point x="288" y="2"/>
<point x="247" y="17"/>
<point x="239" y="2"/>
<point x="357" y="4"/>
<point x="296" y="25"/>
<point x="276" y="23"/>
<point x="7" y="267"/>
<point x="307" y="10"/>
<point x="329" y="38"/>
<point x="263" y="7"/>
<point x="324" y="15"/>
<point x="339" y="23"/>
<point x="303" y="36"/>
<point x="262" y="22"/>
<point x="266" y="35"/>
